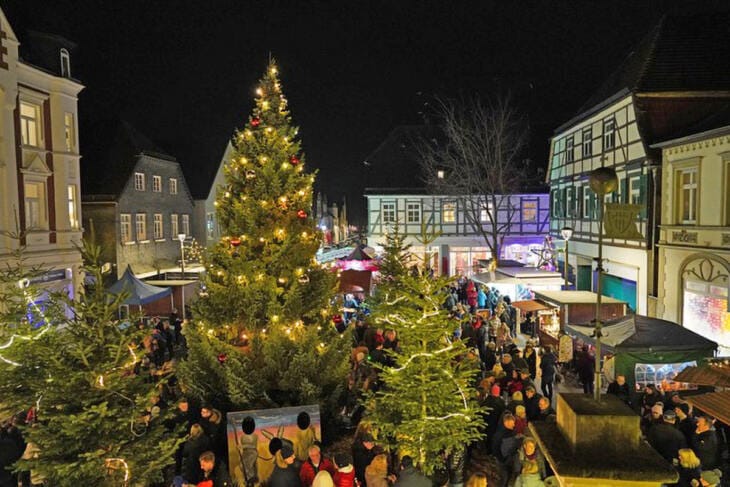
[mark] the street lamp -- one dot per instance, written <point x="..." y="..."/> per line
<point x="603" y="181"/>
<point x="566" y="233"/>
<point x="181" y="238"/>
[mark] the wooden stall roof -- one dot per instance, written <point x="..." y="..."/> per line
<point x="706" y="375"/>
<point x="714" y="404"/>
<point x="531" y="305"/>
<point x="575" y="297"/>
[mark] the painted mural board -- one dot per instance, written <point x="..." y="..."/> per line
<point x="254" y="434"/>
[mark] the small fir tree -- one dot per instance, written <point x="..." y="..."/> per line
<point x="264" y="289"/>
<point x="427" y="403"/>
<point x="77" y="364"/>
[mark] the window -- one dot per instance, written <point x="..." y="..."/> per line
<point x="687" y="195"/>
<point x="569" y="152"/>
<point x="35" y="205"/>
<point x="634" y="196"/>
<point x="587" y="203"/>
<point x="529" y="211"/>
<point x="125" y="227"/>
<point x="449" y="212"/>
<point x="73" y="206"/>
<point x="484" y="213"/>
<point x="69" y="131"/>
<point x="557" y="204"/>
<point x="186" y="225"/>
<point x="588" y="142"/>
<point x="30" y="126"/>
<point x="210" y="224"/>
<point x="139" y="182"/>
<point x="174" y="225"/>
<point x="570" y="202"/>
<point x="65" y="64"/>
<point x="388" y="211"/>
<point x="156" y="184"/>
<point x="141" y="226"/>
<point x="413" y="213"/>
<point x="173" y="185"/>
<point x="609" y="134"/>
<point x="440" y="174"/>
<point x="159" y="233"/>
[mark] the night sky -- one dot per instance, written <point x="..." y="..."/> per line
<point x="184" y="72"/>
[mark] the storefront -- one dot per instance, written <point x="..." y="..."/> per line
<point x="521" y="283"/>
<point x="705" y="310"/>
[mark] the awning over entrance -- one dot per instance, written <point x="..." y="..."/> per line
<point x="714" y="403"/>
<point x="530" y="306"/>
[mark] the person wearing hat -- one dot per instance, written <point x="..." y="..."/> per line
<point x="363" y="452"/>
<point x="284" y="474"/>
<point x="665" y="438"/>
<point x="685" y="422"/>
<point x="345" y="474"/>
<point x="495" y="407"/>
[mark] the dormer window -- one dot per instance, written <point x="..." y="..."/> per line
<point x="65" y="63"/>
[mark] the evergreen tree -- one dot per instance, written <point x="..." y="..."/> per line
<point x="427" y="403"/>
<point x="265" y="291"/>
<point x="78" y="365"/>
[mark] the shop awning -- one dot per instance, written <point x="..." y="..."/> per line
<point x="138" y="292"/>
<point x="713" y="403"/>
<point x="706" y="375"/>
<point x="530" y="306"/>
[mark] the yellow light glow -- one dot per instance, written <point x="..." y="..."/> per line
<point x="243" y="160"/>
<point x="273" y="70"/>
<point x="305" y="234"/>
<point x="300" y="192"/>
<point x="275" y="318"/>
<point x="248" y="133"/>
<point x="264" y="159"/>
<point x="288" y="331"/>
<point x="259" y="92"/>
<point x="265" y="105"/>
<point x="283" y="199"/>
<point x="262" y="239"/>
<point x="228" y="194"/>
<point x="269" y="130"/>
<point x="215" y="203"/>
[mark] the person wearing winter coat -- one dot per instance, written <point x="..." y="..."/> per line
<point x="705" y="444"/>
<point x="689" y="469"/>
<point x="376" y="474"/>
<point x="471" y="296"/>
<point x="481" y="298"/>
<point x="529" y="465"/>
<point x="409" y="476"/>
<point x="532" y="402"/>
<point x="323" y="479"/>
<point x="213" y="472"/>
<point x="284" y="474"/>
<point x="548" y="364"/>
<point x="665" y="438"/>
<point x="620" y="389"/>
<point x="363" y="452"/>
<point x="531" y="359"/>
<point x="314" y="464"/>
<point x="345" y="474"/>
<point x="196" y="444"/>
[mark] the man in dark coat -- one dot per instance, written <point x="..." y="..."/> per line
<point x="666" y="438"/>
<point x="685" y="422"/>
<point x="705" y="444"/>
<point x="532" y="403"/>
<point x="586" y="371"/>
<point x="409" y="476"/>
<point x="214" y="471"/>
<point x="495" y="407"/>
<point x="620" y="389"/>
<point x="546" y="410"/>
<point x="363" y="452"/>
<point x="548" y="364"/>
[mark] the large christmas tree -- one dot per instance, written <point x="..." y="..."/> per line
<point x="77" y="365"/>
<point x="265" y="291"/>
<point x="427" y="404"/>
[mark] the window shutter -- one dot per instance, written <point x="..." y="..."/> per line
<point x="642" y="195"/>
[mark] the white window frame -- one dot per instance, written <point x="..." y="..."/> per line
<point x="139" y="181"/>
<point x="65" y="63"/>
<point x="125" y="228"/>
<point x="634" y="196"/>
<point x="587" y="142"/>
<point x="687" y="190"/>
<point x="159" y="230"/>
<point x="485" y="212"/>
<point x="140" y="226"/>
<point x="448" y="212"/>
<point x="413" y="212"/>
<point x="72" y="195"/>
<point x="38" y="207"/>
<point x="174" y="225"/>
<point x="157" y="184"/>
<point x="388" y="211"/>
<point x="31" y="124"/>
<point x="570" y="148"/>
<point x="587" y="197"/>
<point x="173" y="185"/>
<point x="609" y="133"/>
<point x="69" y="127"/>
<point x="186" y="224"/>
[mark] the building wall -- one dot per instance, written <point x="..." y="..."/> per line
<point x="207" y="232"/>
<point x="44" y="161"/>
<point x="694" y="257"/>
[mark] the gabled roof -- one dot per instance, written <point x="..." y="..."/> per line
<point x="682" y="54"/>
<point x="138" y="292"/>
<point x="110" y="152"/>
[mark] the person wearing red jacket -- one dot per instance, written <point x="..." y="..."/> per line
<point x="471" y="296"/>
<point x="313" y="465"/>
<point x="345" y="474"/>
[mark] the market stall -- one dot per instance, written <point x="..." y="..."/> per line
<point x="533" y="314"/>
<point x="648" y="350"/>
<point x="574" y="307"/>
<point x="139" y="293"/>
<point x="520" y="283"/>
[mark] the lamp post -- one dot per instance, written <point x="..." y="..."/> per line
<point x="603" y="181"/>
<point x="566" y="233"/>
<point x="181" y="238"/>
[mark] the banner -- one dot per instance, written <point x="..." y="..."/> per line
<point x="620" y="221"/>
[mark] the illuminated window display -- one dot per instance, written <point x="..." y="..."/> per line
<point x="662" y="375"/>
<point x="705" y="311"/>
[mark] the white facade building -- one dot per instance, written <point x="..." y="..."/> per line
<point x="694" y="239"/>
<point x="40" y="188"/>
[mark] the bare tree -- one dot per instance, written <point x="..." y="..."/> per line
<point x="477" y="161"/>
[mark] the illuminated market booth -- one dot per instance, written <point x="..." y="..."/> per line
<point x="520" y="283"/>
<point x="648" y="350"/>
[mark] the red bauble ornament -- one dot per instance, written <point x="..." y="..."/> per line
<point x="255" y="122"/>
<point x="294" y="160"/>
<point x="222" y="358"/>
<point x="337" y="319"/>
<point x="235" y="242"/>
<point x="302" y="214"/>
